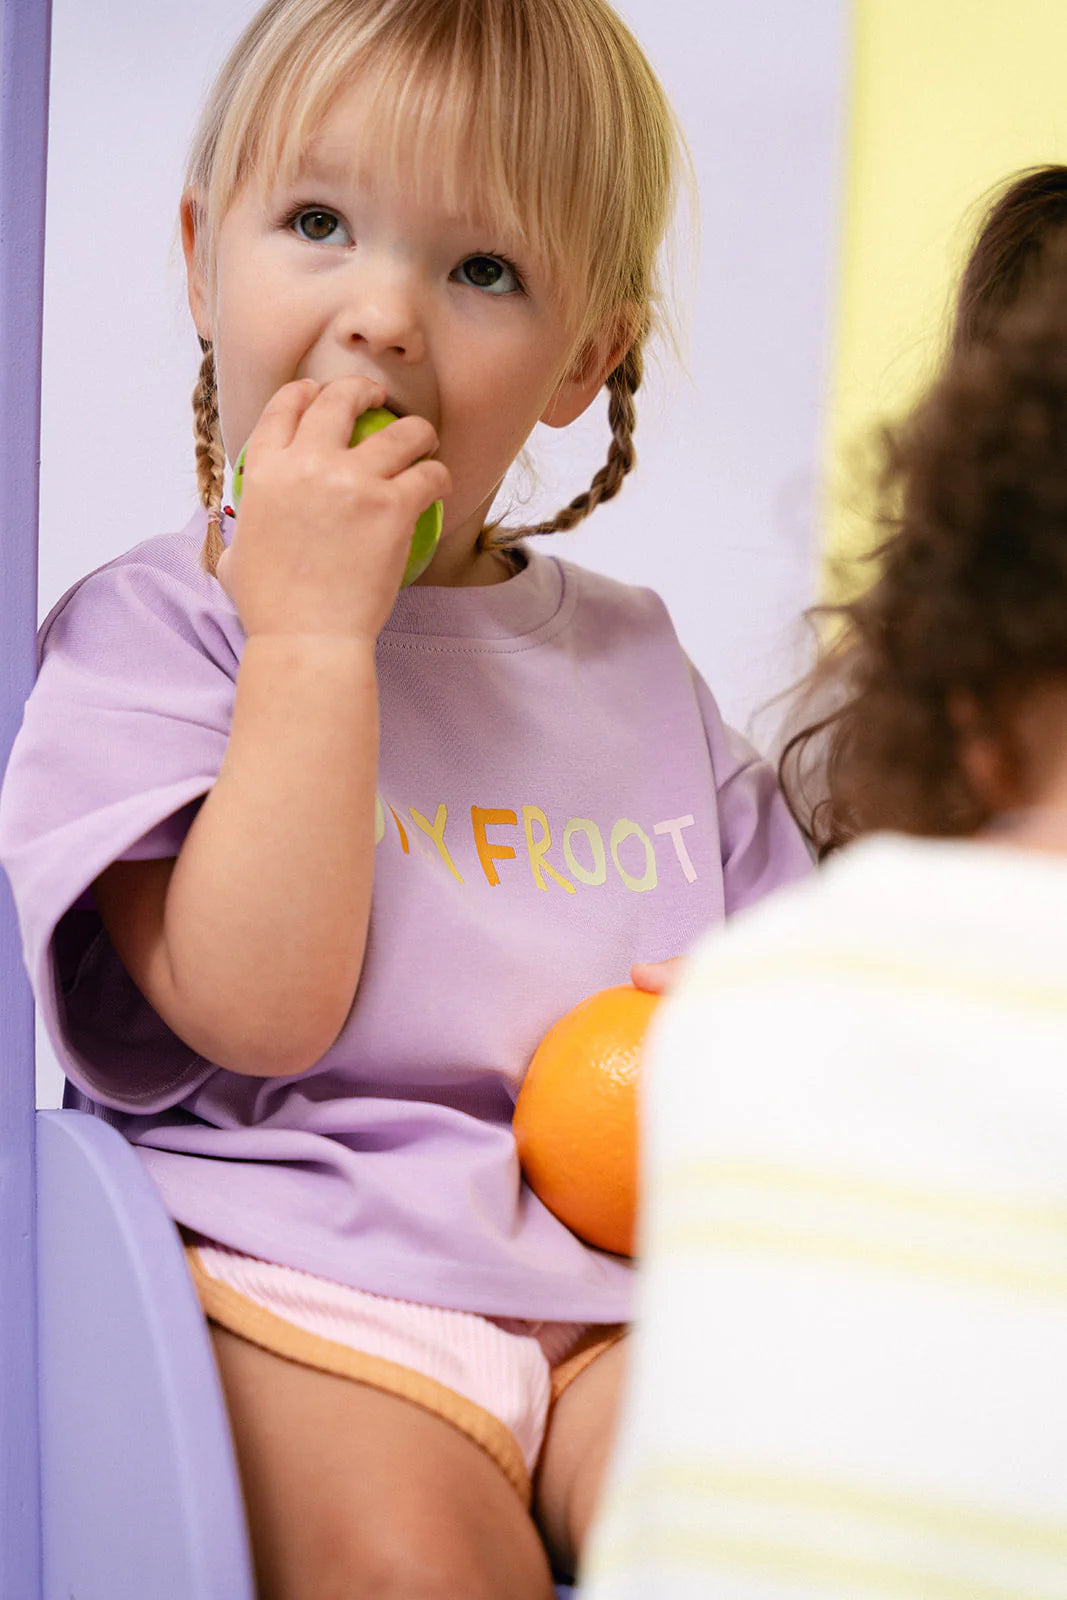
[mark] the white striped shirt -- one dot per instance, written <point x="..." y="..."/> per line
<point x="848" y="1374"/>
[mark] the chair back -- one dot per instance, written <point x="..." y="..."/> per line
<point x="25" y="33"/>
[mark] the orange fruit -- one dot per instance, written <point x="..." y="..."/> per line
<point x="576" y="1116"/>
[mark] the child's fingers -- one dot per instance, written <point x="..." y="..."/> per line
<point x="281" y="415"/>
<point x="657" y="977"/>
<point x="328" y="421"/>
<point x="395" y="449"/>
<point x="426" y="482"/>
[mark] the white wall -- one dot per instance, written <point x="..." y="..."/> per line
<point x="720" y="515"/>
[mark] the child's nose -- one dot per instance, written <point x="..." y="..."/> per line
<point x="382" y="314"/>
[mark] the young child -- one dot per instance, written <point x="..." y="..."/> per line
<point x="879" y="1199"/>
<point x="306" y="866"/>
<point x="1024" y="225"/>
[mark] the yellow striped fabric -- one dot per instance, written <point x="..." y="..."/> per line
<point x="847" y="1371"/>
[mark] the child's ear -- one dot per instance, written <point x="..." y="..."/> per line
<point x="592" y="366"/>
<point x="192" y="223"/>
<point x="989" y="763"/>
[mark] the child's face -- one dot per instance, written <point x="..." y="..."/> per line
<point x="336" y="274"/>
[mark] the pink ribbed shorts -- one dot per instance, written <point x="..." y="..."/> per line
<point x="495" y="1378"/>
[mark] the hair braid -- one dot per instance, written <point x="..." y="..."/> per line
<point x="622" y="384"/>
<point x="210" y="457"/>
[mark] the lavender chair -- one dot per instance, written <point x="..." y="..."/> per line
<point x="117" y="1476"/>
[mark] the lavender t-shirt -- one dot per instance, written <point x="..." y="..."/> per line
<point x="558" y="797"/>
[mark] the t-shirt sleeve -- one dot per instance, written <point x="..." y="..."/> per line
<point x="762" y="846"/>
<point x="122" y="737"/>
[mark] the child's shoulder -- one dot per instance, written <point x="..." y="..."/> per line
<point x="164" y="559"/>
<point x="622" y="619"/>
<point x="157" y="585"/>
<point x="612" y="596"/>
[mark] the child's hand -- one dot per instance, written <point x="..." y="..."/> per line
<point x="658" y="977"/>
<point x="324" y="529"/>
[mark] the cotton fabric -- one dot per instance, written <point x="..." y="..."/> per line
<point x="558" y="797"/>
<point x="852" y="1314"/>
<point x="493" y="1378"/>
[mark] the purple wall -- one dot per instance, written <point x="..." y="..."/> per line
<point x="24" y="42"/>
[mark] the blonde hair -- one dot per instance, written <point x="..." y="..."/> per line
<point x="578" y="152"/>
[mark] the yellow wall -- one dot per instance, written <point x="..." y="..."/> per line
<point x="948" y="98"/>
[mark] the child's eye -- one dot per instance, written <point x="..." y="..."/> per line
<point x="492" y="273"/>
<point x="319" y="226"/>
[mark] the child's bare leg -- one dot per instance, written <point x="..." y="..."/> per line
<point x="577" y="1446"/>
<point x="352" y="1492"/>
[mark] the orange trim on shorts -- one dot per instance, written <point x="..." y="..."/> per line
<point x="589" y="1347"/>
<point x="230" y="1309"/>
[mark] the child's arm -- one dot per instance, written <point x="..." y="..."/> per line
<point x="251" y="942"/>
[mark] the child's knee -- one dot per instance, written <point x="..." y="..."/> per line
<point x="391" y="1561"/>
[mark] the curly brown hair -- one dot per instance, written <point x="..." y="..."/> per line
<point x="1028" y="213"/>
<point x="969" y="611"/>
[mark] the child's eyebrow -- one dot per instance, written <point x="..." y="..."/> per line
<point x="329" y="163"/>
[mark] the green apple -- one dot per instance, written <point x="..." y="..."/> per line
<point x="428" y="528"/>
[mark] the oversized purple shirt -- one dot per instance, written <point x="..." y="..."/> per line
<point x="558" y="797"/>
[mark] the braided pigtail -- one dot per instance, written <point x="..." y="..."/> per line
<point x="210" y="457"/>
<point x="622" y="384"/>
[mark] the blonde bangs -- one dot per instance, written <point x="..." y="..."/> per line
<point x="543" y="118"/>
